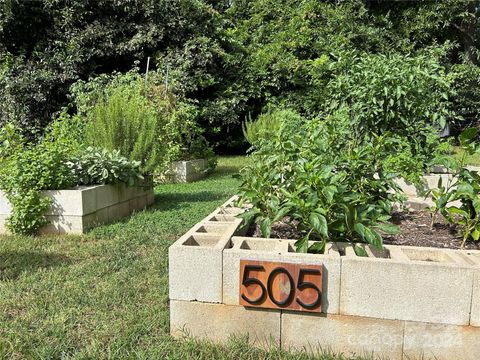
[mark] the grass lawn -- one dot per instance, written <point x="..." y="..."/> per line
<point x="471" y="159"/>
<point x="105" y="295"/>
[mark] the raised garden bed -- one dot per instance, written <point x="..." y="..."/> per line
<point x="74" y="211"/>
<point x="187" y="171"/>
<point x="402" y="302"/>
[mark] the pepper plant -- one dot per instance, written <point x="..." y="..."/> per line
<point x="458" y="200"/>
<point x="315" y="177"/>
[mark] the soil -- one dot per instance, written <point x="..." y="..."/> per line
<point x="414" y="231"/>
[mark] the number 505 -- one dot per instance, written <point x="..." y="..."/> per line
<point x="280" y="285"/>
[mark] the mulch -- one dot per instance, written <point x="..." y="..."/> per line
<point x="414" y="231"/>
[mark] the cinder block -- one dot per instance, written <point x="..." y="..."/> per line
<point x="430" y="286"/>
<point x="352" y="336"/>
<point x="195" y="265"/>
<point x="150" y="197"/>
<point x="65" y="202"/>
<point x="126" y="193"/>
<point x="187" y="171"/>
<point x="475" y="314"/>
<point x="107" y="195"/>
<point x="141" y="202"/>
<point x="119" y="211"/>
<point x="281" y="251"/>
<point x="89" y="199"/>
<point x="102" y="216"/>
<point x="218" y="322"/>
<point x="96" y="204"/>
<point x="133" y="205"/>
<point x="89" y="221"/>
<point x="431" y="182"/>
<point x="59" y="224"/>
<point x="441" y="342"/>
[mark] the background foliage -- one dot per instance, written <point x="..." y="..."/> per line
<point x="229" y="59"/>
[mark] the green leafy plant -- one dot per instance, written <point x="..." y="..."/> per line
<point x="100" y="166"/>
<point x="463" y="186"/>
<point x="142" y="120"/>
<point x="315" y="177"/>
<point x="58" y="161"/>
<point x="266" y="124"/>
<point x="407" y="96"/>
<point x="27" y="171"/>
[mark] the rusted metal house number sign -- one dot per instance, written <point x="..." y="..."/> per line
<point x="277" y="285"/>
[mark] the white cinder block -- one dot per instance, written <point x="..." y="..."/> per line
<point x="218" y="322"/>
<point x="475" y="313"/>
<point x="187" y="171"/>
<point x="65" y="202"/>
<point x="430" y="286"/>
<point x="441" y="342"/>
<point x="107" y="195"/>
<point x="195" y="265"/>
<point x="68" y="224"/>
<point x="281" y="251"/>
<point x="431" y="182"/>
<point x="89" y="199"/>
<point x="349" y="335"/>
<point x="78" y="209"/>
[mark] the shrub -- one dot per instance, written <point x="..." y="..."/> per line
<point x="27" y="171"/>
<point x="123" y="119"/>
<point x="405" y="95"/>
<point x="144" y="122"/>
<point x="316" y="177"/>
<point x="58" y="161"/>
<point x="267" y="124"/>
<point x="462" y="187"/>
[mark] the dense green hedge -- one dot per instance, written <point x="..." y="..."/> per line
<point x="230" y="60"/>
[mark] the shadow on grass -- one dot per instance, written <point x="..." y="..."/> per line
<point x="14" y="263"/>
<point x="172" y="201"/>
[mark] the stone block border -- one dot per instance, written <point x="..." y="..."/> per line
<point x="187" y="171"/>
<point x="74" y="211"/>
<point x="399" y="303"/>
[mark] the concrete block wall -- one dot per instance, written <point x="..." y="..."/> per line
<point x="187" y="171"/>
<point x="399" y="303"/>
<point x="74" y="211"/>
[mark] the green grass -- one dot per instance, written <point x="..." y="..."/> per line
<point x="471" y="159"/>
<point x="105" y="295"/>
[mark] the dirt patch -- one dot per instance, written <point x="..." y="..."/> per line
<point x="414" y="231"/>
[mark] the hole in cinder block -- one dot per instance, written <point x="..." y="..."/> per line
<point x="202" y="241"/>
<point x="427" y="255"/>
<point x="261" y="245"/>
<point x="221" y="217"/>
<point x="373" y="252"/>
<point x="212" y="228"/>
<point x="231" y="211"/>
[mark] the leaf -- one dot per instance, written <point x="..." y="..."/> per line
<point x="266" y="227"/>
<point x="467" y="136"/>
<point x="456" y="211"/>
<point x="388" y="228"/>
<point x="319" y="223"/>
<point x="281" y="213"/>
<point x="373" y="238"/>
<point x="318" y="247"/>
<point x="476" y="234"/>
<point x="360" y="229"/>
<point x="302" y="244"/>
<point x="359" y="251"/>
<point x="329" y="192"/>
